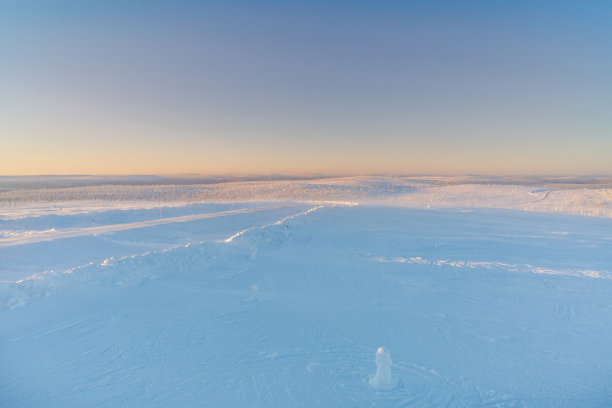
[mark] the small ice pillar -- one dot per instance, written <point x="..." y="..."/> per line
<point x="382" y="379"/>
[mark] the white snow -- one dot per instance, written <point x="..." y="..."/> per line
<point x="591" y="197"/>
<point x="284" y="303"/>
<point x="52" y="234"/>
<point x="382" y="378"/>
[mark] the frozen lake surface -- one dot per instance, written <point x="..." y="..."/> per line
<point x="286" y="306"/>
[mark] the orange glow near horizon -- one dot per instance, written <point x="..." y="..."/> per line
<point x="369" y="89"/>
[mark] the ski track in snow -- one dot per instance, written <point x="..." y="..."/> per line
<point x="126" y="270"/>
<point x="53" y="234"/>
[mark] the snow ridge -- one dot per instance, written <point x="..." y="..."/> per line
<point x="279" y="222"/>
<point x="130" y="271"/>
<point x="462" y="264"/>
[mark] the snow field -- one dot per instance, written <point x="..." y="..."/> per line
<point x="184" y="326"/>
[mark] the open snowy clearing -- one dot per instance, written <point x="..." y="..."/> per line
<point x="287" y="307"/>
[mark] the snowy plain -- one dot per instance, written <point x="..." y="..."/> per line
<point x="279" y="294"/>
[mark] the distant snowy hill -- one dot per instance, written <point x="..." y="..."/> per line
<point x="584" y="196"/>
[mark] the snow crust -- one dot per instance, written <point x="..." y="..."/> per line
<point x="284" y="305"/>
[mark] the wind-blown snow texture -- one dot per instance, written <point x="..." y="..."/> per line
<point x="287" y="306"/>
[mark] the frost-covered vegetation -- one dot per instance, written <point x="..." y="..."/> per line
<point x="574" y="196"/>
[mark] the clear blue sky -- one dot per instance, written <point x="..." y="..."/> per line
<point x="499" y="87"/>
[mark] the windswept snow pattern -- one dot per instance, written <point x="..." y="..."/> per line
<point x="499" y="266"/>
<point x="127" y="270"/>
<point x="91" y="237"/>
<point x="287" y="307"/>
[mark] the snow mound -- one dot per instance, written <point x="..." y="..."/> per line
<point x="128" y="271"/>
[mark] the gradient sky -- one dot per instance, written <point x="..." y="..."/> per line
<point x="442" y="87"/>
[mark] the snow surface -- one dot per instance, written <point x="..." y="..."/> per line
<point x="583" y="196"/>
<point x="283" y="304"/>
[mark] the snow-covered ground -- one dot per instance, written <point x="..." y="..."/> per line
<point x="583" y="196"/>
<point x="492" y="296"/>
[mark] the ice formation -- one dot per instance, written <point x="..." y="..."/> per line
<point x="382" y="378"/>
